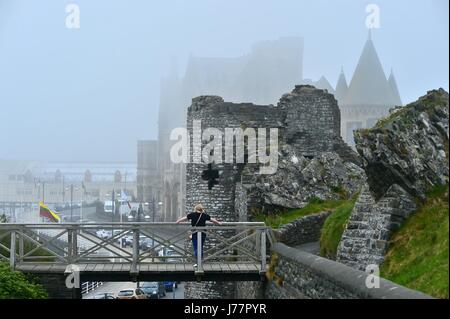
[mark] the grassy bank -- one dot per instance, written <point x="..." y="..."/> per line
<point x="333" y="228"/>
<point x="315" y="206"/>
<point x="418" y="253"/>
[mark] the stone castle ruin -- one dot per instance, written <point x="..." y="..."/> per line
<point x="308" y="120"/>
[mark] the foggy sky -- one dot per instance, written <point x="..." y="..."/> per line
<point x="89" y="94"/>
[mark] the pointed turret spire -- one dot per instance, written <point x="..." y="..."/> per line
<point x="323" y="84"/>
<point x="341" y="87"/>
<point x="369" y="85"/>
<point x="396" y="99"/>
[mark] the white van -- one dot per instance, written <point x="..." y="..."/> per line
<point x="108" y="207"/>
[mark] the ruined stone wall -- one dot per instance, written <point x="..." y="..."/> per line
<point x="312" y="120"/>
<point x="308" y="119"/>
<point x="241" y="201"/>
<point x="55" y="285"/>
<point x="219" y="201"/>
<point x="303" y="230"/>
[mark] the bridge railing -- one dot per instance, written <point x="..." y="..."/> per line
<point x="134" y="244"/>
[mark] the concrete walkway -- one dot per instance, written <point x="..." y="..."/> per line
<point x="312" y="248"/>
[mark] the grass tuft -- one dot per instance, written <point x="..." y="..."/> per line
<point x="315" y="206"/>
<point x="333" y="228"/>
<point x="418" y="252"/>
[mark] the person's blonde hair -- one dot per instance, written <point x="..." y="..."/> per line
<point x="199" y="208"/>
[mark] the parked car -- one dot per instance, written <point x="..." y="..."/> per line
<point x="174" y="256"/>
<point x="153" y="289"/>
<point x="106" y="295"/>
<point x="115" y="232"/>
<point x="145" y="243"/>
<point x="169" y="285"/>
<point x="91" y="231"/>
<point x="131" y="293"/>
<point x="103" y="233"/>
<point x="171" y="255"/>
<point x="127" y="241"/>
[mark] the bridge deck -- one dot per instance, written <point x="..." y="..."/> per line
<point x="153" y="272"/>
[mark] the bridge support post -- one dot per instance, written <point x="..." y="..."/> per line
<point x="199" y="253"/>
<point x="21" y="246"/>
<point x="263" y="251"/>
<point x="12" y="251"/>
<point x="134" y="269"/>
<point x="258" y="243"/>
<point x="72" y="245"/>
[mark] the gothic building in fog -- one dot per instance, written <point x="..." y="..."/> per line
<point x="261" y="76"/>
<point x="369" y="96"/>
<point x="270" y="69"/>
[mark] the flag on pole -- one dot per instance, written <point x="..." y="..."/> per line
<point x="46" y="212"/>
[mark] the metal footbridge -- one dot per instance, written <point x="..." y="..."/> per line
<point x="138" y="251"/>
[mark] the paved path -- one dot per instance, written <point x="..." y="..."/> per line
<point x="312" y="248"/>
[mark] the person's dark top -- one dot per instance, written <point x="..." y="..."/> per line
<point x="201" y="218"/>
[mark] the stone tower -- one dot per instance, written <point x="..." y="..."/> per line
<point x="308" y="119"/>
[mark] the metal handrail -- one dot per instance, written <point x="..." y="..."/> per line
<point x="229" y="242"/>
<point x="125" y="224"/>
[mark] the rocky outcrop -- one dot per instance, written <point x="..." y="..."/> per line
<point x="409" y="147"/>
<point x="300" y="179"/>
<point x="404" y="155"/>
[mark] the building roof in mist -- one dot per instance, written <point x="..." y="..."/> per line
<point x="322" y="83"/>
<point x="71" y="170"/>
<point x="11" y="167"/>
<point x="369" y="85"/>
<point x="341" y="86"/>
<point x="394" y="89"/>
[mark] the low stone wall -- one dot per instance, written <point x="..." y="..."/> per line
<point x="250" y="290"/>
<point x="210" y="290"/>
<point x="55" y="285"/>
<point x="298" y="274"/>
<point x="302" y="230"/>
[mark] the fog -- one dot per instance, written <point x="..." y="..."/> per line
<point x="89" y="94"/>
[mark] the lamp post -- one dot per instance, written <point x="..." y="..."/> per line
<point x="154" y="209"/>
<point x="81" y="212"/>
<point x="113" y="206"/>
<point x="71" y="202"/>
<point x="63" y="191"/>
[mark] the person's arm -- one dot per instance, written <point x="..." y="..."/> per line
<point x="215" y="221"/>
<point x="182" y="219"/>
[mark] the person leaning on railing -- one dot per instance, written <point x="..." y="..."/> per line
<point x="198" y="218"/>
